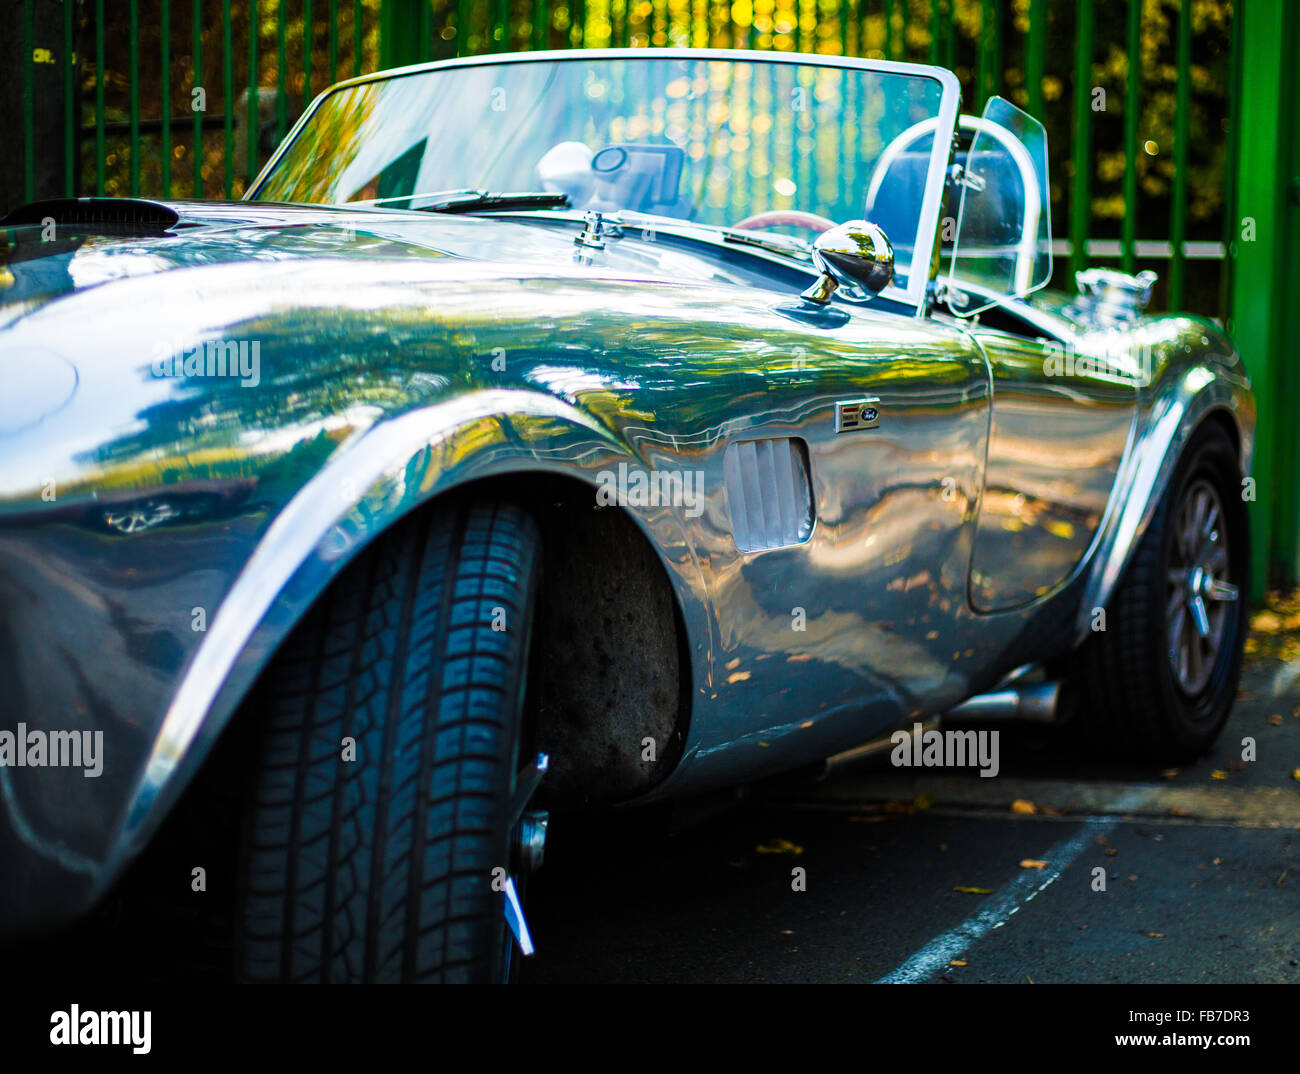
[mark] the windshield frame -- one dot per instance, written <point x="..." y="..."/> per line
<point x="918" y="279"/>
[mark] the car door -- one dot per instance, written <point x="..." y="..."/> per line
<point x="889" y="414"/>
<point x="1060" y="427"/>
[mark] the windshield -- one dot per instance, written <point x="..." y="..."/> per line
<point x="772" y="145"/>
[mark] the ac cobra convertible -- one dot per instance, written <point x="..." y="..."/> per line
<point x="558" y="430"/>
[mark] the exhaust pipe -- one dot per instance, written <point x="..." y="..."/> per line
<point x="1037" y="702"/>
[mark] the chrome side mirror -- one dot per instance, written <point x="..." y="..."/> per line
<point x="855" y="253"/>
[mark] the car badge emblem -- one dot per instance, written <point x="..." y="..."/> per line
<point x="855" y="414"/>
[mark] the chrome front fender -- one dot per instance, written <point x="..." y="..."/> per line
<point x="395" y="467"/>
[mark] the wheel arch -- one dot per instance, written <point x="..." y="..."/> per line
<point x="488" y="443"/>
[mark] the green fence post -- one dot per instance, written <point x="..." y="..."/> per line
<point x="1231" y="156"/>
<point x="254" y="101"/>
<point x="29" y="103"/>
<point x="1182" y="135"/>
<point x="500" y="26"/>
<point x="399" y="33"/>
<point x="100" y="150"/>
<point x="1132" y="85"/>
<point x="1264" y="302"/>
<point x="308" y="36"/>
<point x="334" y="41"/>
<point x="197" y="160"/>
<point x="228" y="97"/>
<point x="281" y="72"/>
<point x="358" y="37"/>
<point x="133" y="51"/>
<point x="71" y="113"/>
<point x="1036" y="58"/>
<point x="165" y="107"/>
<point x="542" y="23"/>
<point x="988" y="79"/>
<point x="1081" y="152"/>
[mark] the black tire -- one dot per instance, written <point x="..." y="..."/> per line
<point x="1124" y="693"/>
<point x="381" y="868"/>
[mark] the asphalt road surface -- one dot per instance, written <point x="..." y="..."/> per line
<point x="941" y="878"/>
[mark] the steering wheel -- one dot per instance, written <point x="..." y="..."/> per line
<point x="784" y="218"/>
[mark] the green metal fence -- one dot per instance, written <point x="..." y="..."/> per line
<point x="1143" y="101"/>
<point x="224" y="79"/>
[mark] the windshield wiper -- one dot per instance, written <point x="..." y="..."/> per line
<point x="777" y="244"/>
<point x="463" y="201"/>
<point x="764" y="240"/>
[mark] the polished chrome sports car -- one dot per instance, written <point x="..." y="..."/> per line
<point x="554" y="430"/>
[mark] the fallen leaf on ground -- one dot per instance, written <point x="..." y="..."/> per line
<point x="1033" y="863"/>
<point x="1023" y="806"/>
<point x="779" y="846"/>
<point x="1218" y="773"/>
<point x="1111" y="852"/>
<point x="1265" y="622"/>
<point x="923" y="801"/>
<point x="973" y="891"/>
<point x="1275" y="719"/>
<point x="1170" y="773"/>
<point x="1154" y="935"/>
<point x="1179" y="811"/>
<point x="1295" y="774"/>
<point x="956" y="962"/>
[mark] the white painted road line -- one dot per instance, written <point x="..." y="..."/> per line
<point x="999" y="909"/>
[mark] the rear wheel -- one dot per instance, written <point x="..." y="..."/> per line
<point x="1157" y="684"/>
<point x="380" y="831"/>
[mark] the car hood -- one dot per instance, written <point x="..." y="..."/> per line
<point x="40" y="264"/>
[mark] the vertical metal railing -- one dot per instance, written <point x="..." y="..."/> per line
<point x="253" y="115"/>
<point x="134" y="64"/>
<point x="29" y="101"/>
<point x="1132" y="86"/>
<point x="165" y="112"/>
<point x="197" y="88"/>
<point x="1182" y="130"/>
<point x="1081" y="155"/>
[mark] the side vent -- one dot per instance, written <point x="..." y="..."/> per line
<point x="769" y="495"/>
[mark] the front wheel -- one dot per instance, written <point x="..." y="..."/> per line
<point x="1157" y="683"/>
<point x="380" y="828"/>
